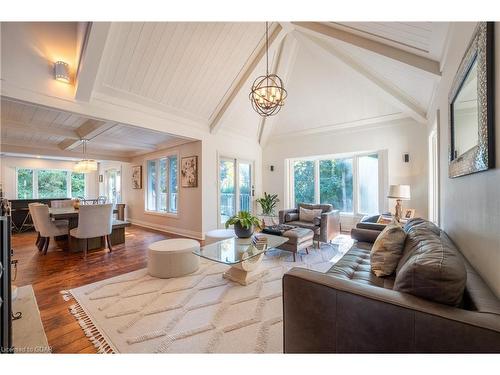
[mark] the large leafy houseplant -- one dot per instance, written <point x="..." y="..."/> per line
<point x="244" y="223"/>
<point x="268" y="203"/>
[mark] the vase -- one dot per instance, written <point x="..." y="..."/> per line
<point x="242" y="232"/>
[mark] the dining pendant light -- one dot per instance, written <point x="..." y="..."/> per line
<point x="268" y="92"/>
<point x="85" y="165"/>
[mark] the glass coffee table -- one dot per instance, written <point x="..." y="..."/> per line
<point x="242" y="255"/>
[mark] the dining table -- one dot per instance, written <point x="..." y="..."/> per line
<point x="73" y="244"/>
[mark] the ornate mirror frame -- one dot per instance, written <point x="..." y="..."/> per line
<point x="482" y="156"/>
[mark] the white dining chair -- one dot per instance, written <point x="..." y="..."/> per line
<point x="63" y="203"/>
<point x="46" y="226"/>
<point x="94" y="221"/>
<point x="39" y="240"/>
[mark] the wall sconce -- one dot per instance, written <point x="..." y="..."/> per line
<point x="61" y="71"/>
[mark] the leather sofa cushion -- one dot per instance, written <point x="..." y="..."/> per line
<point x="291" y="216"/>
<point x="387" y="250"/>
<point x="308" y="215"/>
<point x="323" y="207"/>
<point x="299" y="235"/>
<point x="355" y="266"/>
<point x="431" y="268"/>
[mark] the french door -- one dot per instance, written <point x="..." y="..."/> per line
<point x="113" y="185"/>
<point x="235" y="187"/>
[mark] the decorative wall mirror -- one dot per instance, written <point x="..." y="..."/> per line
<point x="471" y="107"/>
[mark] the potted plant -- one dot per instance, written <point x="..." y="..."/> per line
<point x="268" y="203"/>
<point x="244" y="224"/>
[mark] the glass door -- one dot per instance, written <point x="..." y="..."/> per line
<point x="235" y="187"/>
<point x="113" y="186"/>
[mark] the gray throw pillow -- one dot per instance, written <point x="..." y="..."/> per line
<point x="432" y="269"/>
<point x="387" y="250"/>
<point x="309" y="215"/>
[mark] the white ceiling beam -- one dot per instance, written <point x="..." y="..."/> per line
<point x="17" y="148"/>
<point x="88" y="130"/>
<point x="387" y="90"/>
<point x="90" y="59"/>
<point x="408" y="58"/>
<point x="19" y="127"/>
<point x="277" y="34"/>
<point x="283" y="67"/>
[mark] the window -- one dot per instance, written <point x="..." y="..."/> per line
<point x="49" y="183"/>
<point x="349" y="184"/>
<point x="162" y="188"/>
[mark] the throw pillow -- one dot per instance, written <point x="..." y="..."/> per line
<point x="309" y="215"/>
<point x="387" y="250"/>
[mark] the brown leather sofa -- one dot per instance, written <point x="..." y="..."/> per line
<point x="325" y="227"/>
<point x="350" y="310"/>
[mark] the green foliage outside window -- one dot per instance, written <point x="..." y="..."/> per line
<point x="52" y="184"/>
<point x="77" y="185"/>
<point x="335" y="183"/>
<point x="304" y="181"/>
<point x="24" y="183"/>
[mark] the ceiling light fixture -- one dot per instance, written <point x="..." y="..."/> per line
<point x="85" y="165"/>
<point x="61" y="71"/>
<point x="268" y="93"/>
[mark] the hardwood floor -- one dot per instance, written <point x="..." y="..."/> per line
<point x="59" y="270"/>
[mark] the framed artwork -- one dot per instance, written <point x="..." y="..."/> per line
<point x="189" y="171"/>
<point x="409" y="213"/>
<point x="137" y="177"/>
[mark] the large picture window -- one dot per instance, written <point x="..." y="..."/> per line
<point x="162" y="188"/>
<point x="349" y="184"/>
<point x="49" y="183"/>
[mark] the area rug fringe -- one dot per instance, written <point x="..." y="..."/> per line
<point x="90" y="330"/>
<point x="66" y="295"/>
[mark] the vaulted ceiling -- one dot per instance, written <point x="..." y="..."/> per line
<point x="198" y="74"/>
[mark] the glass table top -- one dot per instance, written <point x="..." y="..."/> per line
<point x="236" y="250"/>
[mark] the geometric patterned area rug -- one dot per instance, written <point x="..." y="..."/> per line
<point x="198" y="313"/>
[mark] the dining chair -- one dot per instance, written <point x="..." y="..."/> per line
<point x="102" y="199"/>
<point x="40" y="241"/>
<point x="94" y="221"/>
<point x="63" y="203"/>
<point x="46" y="226"/>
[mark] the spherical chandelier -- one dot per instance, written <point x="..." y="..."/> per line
<point x="268" y="92"/>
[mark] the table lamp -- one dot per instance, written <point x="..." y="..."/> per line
<point x="400" y="193"/>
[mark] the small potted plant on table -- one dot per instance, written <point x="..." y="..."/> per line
<point x="244" y="224"/>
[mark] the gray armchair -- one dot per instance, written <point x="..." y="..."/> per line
<point x="325" y="227"/>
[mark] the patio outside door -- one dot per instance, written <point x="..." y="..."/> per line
<point x="235" y="187"/>
<point x="113" y="185"/>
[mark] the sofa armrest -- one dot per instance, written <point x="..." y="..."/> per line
<point x="371" y="226"/>
<point x="364" y="235"/>
<point x="323" y="313"/>
<point x="330" y="225"/>
<point x="283" y="213"/>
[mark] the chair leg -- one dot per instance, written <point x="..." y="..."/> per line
<point x="46" y="247"/>
<point x="109" y="243"/>
<point x="294" y="257"/>
<point x="41" y="243"/>
<point x="37" y="238"/>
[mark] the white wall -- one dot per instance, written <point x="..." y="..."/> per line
<point x="8" y="173"/>
<point x="188" y="221"/>
<point x="395" y="138"/>
<point x="470" y="205"/>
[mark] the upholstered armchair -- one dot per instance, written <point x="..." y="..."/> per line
<point x="325" y="227"/>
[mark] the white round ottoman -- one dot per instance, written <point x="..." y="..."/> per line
<point x="218" y="235"/>
<point x="173" y="258"/>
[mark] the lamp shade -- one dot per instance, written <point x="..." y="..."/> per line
<point x="399" y="192"/>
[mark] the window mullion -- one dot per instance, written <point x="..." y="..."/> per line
<point x="167" y="185"/>
<point x="157" y="187"/>
<point x="355" y="187"/>
<point x="35" y="184"/>
<point x="317" y="198"/>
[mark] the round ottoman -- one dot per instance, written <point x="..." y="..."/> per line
<point x="218" y="235"/>
<point x="173" y="258"/>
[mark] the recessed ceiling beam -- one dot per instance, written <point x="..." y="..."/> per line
<point x="276" y="36"/>
<point x="386" y="89"/>
<point x="416" y="61"/>
<point x="88" y="130"/>
<point x="55" y="152"/>
<point x="23" y="128"/>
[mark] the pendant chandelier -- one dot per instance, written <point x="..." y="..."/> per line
<point x="85" y="165"/>
<point x="268" y="93"/>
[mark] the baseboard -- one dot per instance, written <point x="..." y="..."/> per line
<point x="168" y="229"/>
